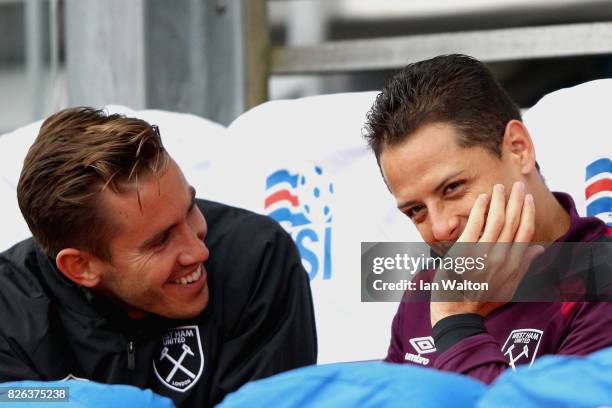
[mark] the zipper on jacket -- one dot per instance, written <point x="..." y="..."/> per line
<point x="131" y="355"/>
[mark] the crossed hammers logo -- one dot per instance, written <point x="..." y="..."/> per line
<point x="513" y="359"/>
<point x="177" y="363"/>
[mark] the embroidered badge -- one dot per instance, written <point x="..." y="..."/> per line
<point x="73" y="377"/>
<point x="180" y="360"/>
<point x="521" y="346"/>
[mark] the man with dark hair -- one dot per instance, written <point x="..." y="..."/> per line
<point x="129" y="279"/>
<point x="461" y="165"/>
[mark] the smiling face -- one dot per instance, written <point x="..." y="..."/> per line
<point x="157" y="255"/>
<point x="436" y="182"/>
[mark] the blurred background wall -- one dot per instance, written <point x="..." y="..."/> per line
<point x="208" y="57"/>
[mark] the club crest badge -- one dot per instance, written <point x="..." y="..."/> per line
<point x="179" y="361"/>
<point x="72" y="377"/>
<point x="521" y="346"/>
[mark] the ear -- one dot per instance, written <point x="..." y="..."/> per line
<point x="517" y="145"/>
<point x="78" y="266"/>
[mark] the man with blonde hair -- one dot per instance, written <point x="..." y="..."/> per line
<point x="129" y="279"/>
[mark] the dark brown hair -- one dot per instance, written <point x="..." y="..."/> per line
<point x="455" y="89"/>
<point x="78" y="153"/>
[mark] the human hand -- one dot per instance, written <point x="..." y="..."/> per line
<point x="500" y="235"/>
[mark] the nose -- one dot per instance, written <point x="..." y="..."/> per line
<point x="194" y="249"/>
<point x="444" y="227"/>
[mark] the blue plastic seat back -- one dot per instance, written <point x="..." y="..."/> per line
<point x="371" y="384"/>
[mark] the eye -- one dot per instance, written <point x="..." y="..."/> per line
<point x="453" y="187"/>
<point x="162" y="240"/>
<point x="415" y="211"/>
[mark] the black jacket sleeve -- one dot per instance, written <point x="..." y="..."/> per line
<point x="12" y="368"/>
<point x="23" y="309"/>
<point x="266" y="304"/>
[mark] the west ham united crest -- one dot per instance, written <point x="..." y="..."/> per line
<point x="180" y="361"/>
<point x="522" y="346"/>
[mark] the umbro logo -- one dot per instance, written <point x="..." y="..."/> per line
<point x="422" y="345"/>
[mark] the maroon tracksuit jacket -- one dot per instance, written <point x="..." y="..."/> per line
<point x="514" y="334"/>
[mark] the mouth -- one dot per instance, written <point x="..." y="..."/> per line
<point x="191" y="278"/>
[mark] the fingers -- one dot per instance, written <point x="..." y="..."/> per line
<point x="521" y="253"/>
<point x="496" y="215"/>
<point x="526" y="227"/>
<point x="476" y="220"/>
<point x="513" y="212"/>
<point x="503" y="221"/>
<point x="504" y="232"/>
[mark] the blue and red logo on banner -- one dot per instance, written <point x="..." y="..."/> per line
<point x="598" y="190"/>
<point x="301" y="203"/>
